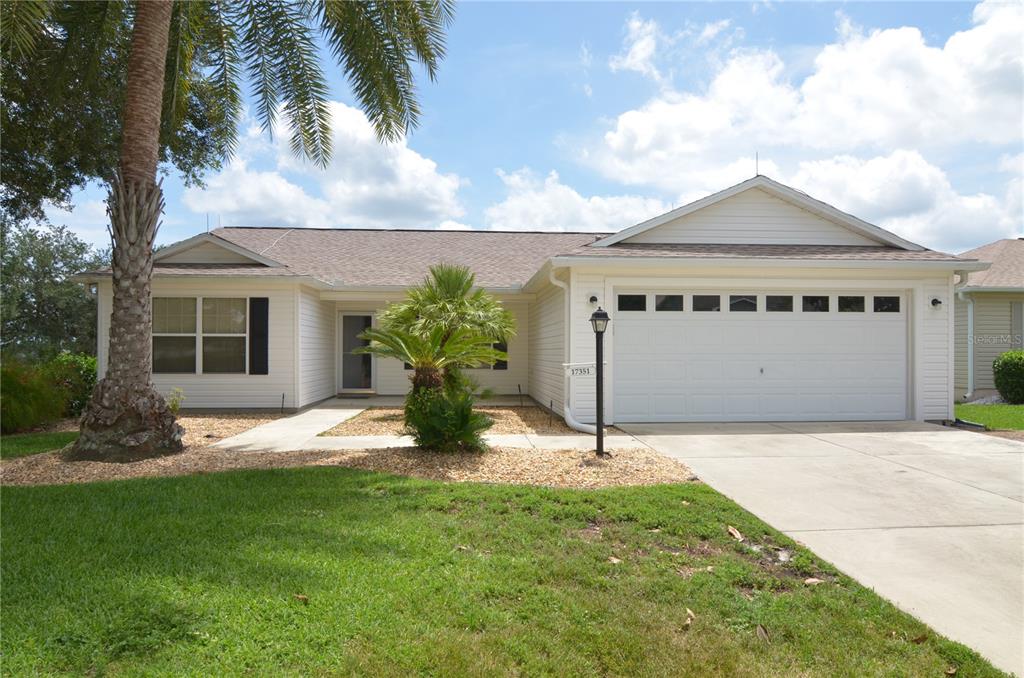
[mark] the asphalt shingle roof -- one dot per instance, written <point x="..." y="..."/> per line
<point x="500" y="259"/>
<point x="1007" y="270"/>
<point x="371" y="258"/>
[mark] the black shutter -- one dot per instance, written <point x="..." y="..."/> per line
<point x="259" y="315"/>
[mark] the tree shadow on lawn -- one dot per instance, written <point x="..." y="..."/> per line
<point x="330" y="569"/>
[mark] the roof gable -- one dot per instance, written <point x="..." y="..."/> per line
<point x="758" y="211"/>
<point x="209" y="249"/>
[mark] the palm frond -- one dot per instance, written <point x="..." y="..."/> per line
<point x="375" y="43"/>
<point x="253" y="24"/>
<point x="21" y="22"/>
<point x="220" y="38"/>
<point x="187" y="25"/>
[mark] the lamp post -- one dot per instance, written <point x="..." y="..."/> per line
<point x="599" y="320"/>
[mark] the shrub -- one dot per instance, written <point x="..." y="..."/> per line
<point x="444" y="420"/>
<point x="28" y="397"/>
<point x="75" y="375"/>
<point x="1008" y="371"/>
<point x="174" y="400"/>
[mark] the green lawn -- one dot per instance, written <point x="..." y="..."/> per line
<point x="993" y="416"/>
<point x="33" y="443"/>
<point x="331" y="571"/>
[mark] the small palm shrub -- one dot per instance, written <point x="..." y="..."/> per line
<point x="443" y="420"/>
<point x="75" y="375"/>
<point x="1008" y="371"/>
<point x="28" y="398"/>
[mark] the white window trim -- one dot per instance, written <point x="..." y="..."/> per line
<point x="199" y="335"/>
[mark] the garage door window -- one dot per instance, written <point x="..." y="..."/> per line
<point x="851" y="304"/>
<point x="632" y="302"/>
<point x="742" y="302"/>
<point x="887" y="304"/>
<point x="778" y="303"/>
<point x="668" y="302"/>
<point x="707" y="302"/>
<point x="815" y="304"/>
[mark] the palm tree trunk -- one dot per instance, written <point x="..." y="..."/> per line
<point x="126" y="419"/>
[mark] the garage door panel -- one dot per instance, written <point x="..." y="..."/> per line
<point x="693" y="366"/>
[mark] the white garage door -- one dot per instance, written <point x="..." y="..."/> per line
<point x="735" y="356"/>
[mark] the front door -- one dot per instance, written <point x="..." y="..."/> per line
<point x="356" y="368"/>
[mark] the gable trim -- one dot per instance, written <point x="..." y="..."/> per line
<point x="194" y="241"/>
<point x="781" y="191"/>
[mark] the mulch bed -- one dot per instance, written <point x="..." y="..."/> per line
<point x="552" y="468"/>
<point x="387" y="421"/>
<point x="204" y="429"/>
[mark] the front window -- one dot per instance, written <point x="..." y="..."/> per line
<point x="174" y="335"/>
<point x="222" y="339"/>
<point x="224" y="325"/>
<point x="500" y="364"/>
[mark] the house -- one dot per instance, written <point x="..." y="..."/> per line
<point x="757" y="303"/>
<point x="989" y="316"/>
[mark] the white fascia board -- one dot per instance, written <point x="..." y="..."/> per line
<point x="780" y="191"/>
<point x="348" y="290"/>
<point x="684" y="262"/>
<point x="195" y="240"/>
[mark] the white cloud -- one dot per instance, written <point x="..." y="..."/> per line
<point x="639" y="48"/>
<point x="906" y="194"/>
<point x="877" y="91"/>
<point x="88" y="220"/>
<point x="367" y="184"/>
<point x="864" y="95"/>
<point x="549" y="205"/>
<point x="586" y="56"/>
<point x="712" y="29"/>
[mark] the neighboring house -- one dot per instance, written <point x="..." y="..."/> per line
<point x="989" y="316"/>
<point x="757" y="303"/>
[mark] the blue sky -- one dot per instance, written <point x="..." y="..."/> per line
<point x="594" y="116"/>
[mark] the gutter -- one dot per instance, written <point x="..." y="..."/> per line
<point x="566" y="409"/>
<point x="753" y="262"/>
<point x="963" y="295"/>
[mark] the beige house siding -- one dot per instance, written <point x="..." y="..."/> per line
<point x="547" y="347"/>
<point x="317" y="347"/>
<point x="994" y="334"/>
<point x="207" y="253"/>
<point x="208" y="391"/>
<point x="752" y="217"/>
<point x="930" y="329"/>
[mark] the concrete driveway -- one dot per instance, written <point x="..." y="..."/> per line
<point x="931" y="518"/>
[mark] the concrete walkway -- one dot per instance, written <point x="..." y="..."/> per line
<point x="930" y="517"/>
<point x="302" y="431"/>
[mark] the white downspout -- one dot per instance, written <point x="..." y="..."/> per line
<point x="970" y="336"/>
<point x="566" y="409"/>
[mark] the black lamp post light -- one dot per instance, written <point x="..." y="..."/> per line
<point x="599" y="320"/>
